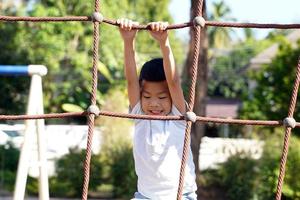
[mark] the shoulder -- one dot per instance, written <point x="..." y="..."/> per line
<point x="176" y="112"/>
<point x="137" y="109"/>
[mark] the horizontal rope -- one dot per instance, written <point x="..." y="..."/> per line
<point x="217" y="24"/>
<point x="43" y="116"/>
<point x="251" y="25"/>
<point x="241" y="121"/>
<point x="145" y="27"/>
<point x="46" y="19"/>
<point x="147" y="117"/>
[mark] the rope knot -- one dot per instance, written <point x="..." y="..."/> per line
<point x="191" y="116"/>
<point x="93" y="109"/>
<point x="97" y="17"/>
<point x="289" y="122"/>
<point x="199" y="21"/>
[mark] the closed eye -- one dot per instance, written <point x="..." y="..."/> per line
<point x="162" y="97"/>
<point x="146" y="97"/>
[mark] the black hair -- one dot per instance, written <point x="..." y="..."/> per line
<point x="153" y="70"/>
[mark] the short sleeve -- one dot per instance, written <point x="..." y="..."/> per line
<point x="137" y="109"/>
<point x="176" y="112"/>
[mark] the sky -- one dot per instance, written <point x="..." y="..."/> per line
<point x="254" y="11"/>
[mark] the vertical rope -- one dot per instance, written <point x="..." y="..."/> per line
<point x="184" y="159"/>
<point x="87" y="161"/>
<point x="192" y="89"/>
<point x="288" y="134"/>
<point x="97" y="5"/>
<point x="186" y="145"/>
<point x="95" y="63"/>
<point x="91" y="117"/>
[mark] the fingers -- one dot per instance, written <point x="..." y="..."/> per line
<point x="158" y="26"/>
<point x="126" y="24"/>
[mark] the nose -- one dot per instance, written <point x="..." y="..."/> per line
<point x="153" y="103"/>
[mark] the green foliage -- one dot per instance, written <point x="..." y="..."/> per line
<point x="293" y="168"/>
<point x="220" y="37"/>
<point x="66" y="49"/>
<point x="238" y="173"/>
<point x="112" y="169"/>
<point x="8" y="179"/>
<point x="271" y="97"/>
<point x="68" y="180"/>
<point x="241" y="177"/>
<point x="116" y="149"/>
<point x="32" y="186"/>
<point x="228" y="77"/>
<point x="269" y="169"/>
<point x="124" y="179"/>
<point x="235" y="176"/>
<point x="63" y="49"/>
<point x="9" y="156"/>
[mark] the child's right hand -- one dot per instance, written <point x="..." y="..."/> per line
<point x="126" y="30"/>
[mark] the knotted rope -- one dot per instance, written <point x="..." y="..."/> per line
<point x="95" y="19"/>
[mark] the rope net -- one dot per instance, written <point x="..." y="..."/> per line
<point x="191" y="101"/>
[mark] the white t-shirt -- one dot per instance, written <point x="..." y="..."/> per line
<point x="157" y="150"/>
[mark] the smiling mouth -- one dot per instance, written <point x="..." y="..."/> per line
<point x="155" y="112"/>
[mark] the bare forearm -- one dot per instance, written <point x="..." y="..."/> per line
<point x="129" y="61"/>
<point x="169" y="62"/>
<point x="172" y="76"/>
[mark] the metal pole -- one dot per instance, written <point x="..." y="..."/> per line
<point x="41" y="142"/>
<point x="35" y="106"/>
<point x="24" y="159"/>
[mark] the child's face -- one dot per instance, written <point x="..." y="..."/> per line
<point x="155" y="98"/>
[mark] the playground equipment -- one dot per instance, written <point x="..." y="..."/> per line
<point x="197" y="23"/>
<point x="34" y="129"/>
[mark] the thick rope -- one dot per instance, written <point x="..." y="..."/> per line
<point x="148" y="117"/>
<point x="45" y="19"/>
<point x="251" y="25"/>
<point x="146" y="27"/>
<point x="186" y="144"/>
<point x="91" y="118"/>
<point x="288" y="134"/>
<point x="86" y="168"/>
<point x="43" y="116"/>
<point x="214" y="23"/>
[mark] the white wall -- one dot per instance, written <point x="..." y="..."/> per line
<point x="59" y="139"/>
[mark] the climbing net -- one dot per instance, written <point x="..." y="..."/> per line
<point x="197" y="24"/>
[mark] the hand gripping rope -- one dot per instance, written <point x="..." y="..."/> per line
<point x="197" y="23"/>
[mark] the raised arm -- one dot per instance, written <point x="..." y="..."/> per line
<point x="128" y="35"/>
<point x="159" y="33"/>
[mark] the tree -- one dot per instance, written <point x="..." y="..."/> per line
<point x="68" y="179"/>
<point x="66" y="49"/>
<point x="275" y="81"/>
<point x="219" y="37"/>
<point x="9" y="155"/>
<point x="228" y="77"/>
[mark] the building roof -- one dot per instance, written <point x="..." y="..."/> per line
<point x="268" y="54"/>
<point x="223" y="108"/>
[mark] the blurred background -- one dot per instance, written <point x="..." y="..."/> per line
<point x="248" y="74"/>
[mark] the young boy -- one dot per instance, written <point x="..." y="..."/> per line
<point x="158" y="144"/>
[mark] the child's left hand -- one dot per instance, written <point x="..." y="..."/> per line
<point x="159" y="31"/>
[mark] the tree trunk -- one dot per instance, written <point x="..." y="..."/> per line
<point x="201" y="85"/>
